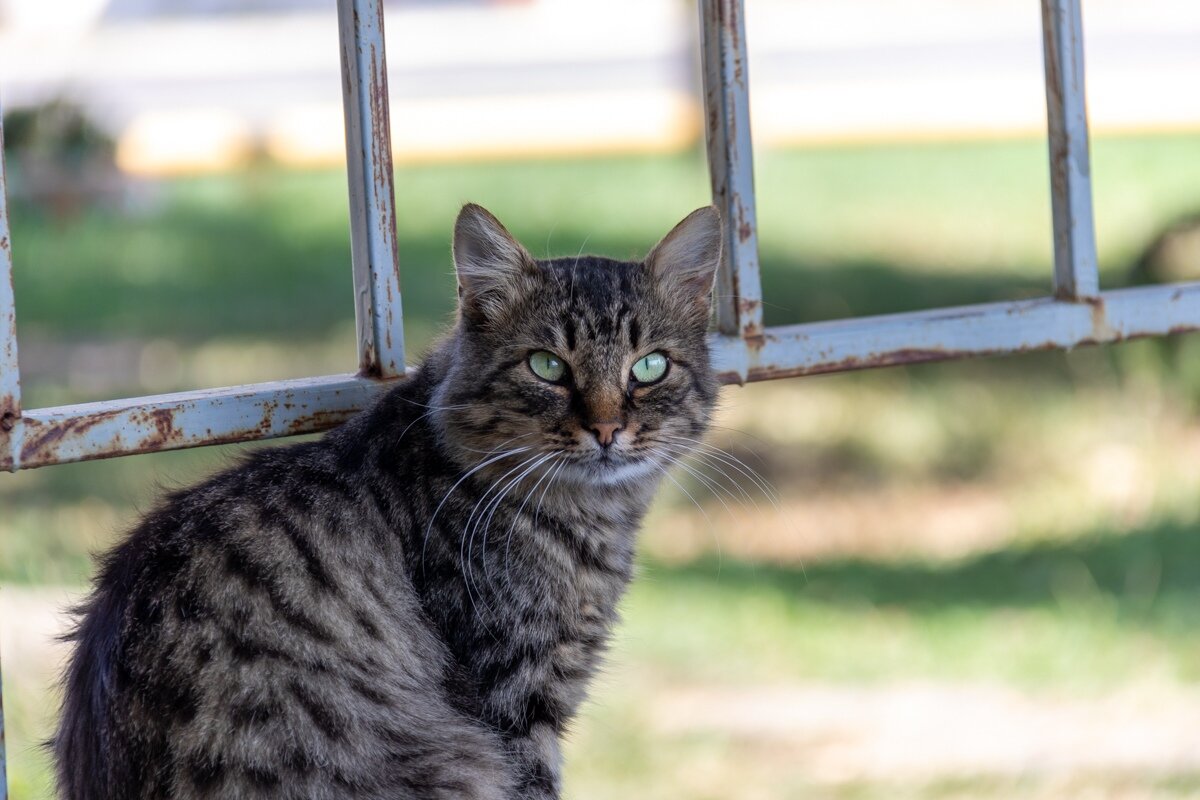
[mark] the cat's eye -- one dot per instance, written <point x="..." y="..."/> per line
<point x="651" y="368"/>
<point x="547" y="366"/>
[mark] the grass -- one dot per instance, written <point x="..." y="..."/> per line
<point x="844" y="230"/>
<point x="1085" y="614"/>
<point x="1026" y="522"/>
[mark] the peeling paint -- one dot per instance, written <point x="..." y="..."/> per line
<point x="372" y="196"/>
<point x="954" y="333"/>
<point x="731" y="164"/>
<point x="1075" y="272"/>
<point x="190" y="419"/>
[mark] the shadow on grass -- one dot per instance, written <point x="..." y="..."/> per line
<point x="1149" y="574"/>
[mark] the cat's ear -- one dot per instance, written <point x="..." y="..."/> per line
<point x="492" y="266"/>
<point x="686" y="259"/>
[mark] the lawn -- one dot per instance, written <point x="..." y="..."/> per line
<point x="1022" y="528"/>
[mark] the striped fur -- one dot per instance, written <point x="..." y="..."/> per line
<point x="413" y="606"/>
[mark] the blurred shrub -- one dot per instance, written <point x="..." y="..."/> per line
<point x="59" y="159"/>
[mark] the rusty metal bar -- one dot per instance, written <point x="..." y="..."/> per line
<point x="3" y="747"/>
<point x="377" y="310"/>
<point x="261" y="411"/>
<point x="10" y="382"/>
<point x="731" y="164"/>
<point x="10" y="374"/>
<point x="1075" y="272"/>
<point x="965" y="331"/>
<point x="187" y="419"/>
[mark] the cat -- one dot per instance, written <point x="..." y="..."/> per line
<point x="412" y="606"/>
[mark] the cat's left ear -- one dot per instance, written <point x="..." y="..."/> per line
<point x="492" y="266"/>
<point x="686" y="259"/>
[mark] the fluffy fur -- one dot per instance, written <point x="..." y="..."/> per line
<point x="413" y="606"/>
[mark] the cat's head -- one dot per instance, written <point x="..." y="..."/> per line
<point x="594" y="367"/>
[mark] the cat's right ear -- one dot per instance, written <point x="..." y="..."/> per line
<point x="492" y="266"/>
<point x="685" y="261"/>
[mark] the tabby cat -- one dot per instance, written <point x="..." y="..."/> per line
<point x="413" y="606"/>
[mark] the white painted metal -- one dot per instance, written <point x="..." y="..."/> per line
<point x="1075" y="273"/>
<point x="376" y="263"/>
<point x="731" y="163"/>
<point x="188" y="419"/>
<point x="949" y="333"/>
<point x="262" y="411"/>
<point x="10" y="375"/>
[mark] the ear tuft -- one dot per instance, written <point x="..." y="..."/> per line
<point x="686" y="259"/>
<point x="489" y="261"/>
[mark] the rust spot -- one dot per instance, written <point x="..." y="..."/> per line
<point x="728" y="14"/>
<point x="318" y="421"/>
<point x="10" y="412"/>
<point x="1101" y="330"/>
<point x="268" y="416"/>
<point x="44" y="446"/>
<point x="745" y="231"/>
<point x="730" y="378"/>
<point x="3" y="242"/>
<point x="371" y="368"/>
<point x="162" y="421"/>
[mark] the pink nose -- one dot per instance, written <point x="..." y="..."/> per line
<point x="606" y="432"/>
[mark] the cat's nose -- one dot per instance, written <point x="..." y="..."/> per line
<point x="606" y="432"/>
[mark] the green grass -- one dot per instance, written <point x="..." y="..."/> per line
<point x="844" y="230"/>
<point x="1087" y="579"/>
<point x="1084" y="614"/>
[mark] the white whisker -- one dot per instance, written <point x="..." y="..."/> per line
<point x="469" y="473"/>
<point x="495" y="506"/>
<point x="468" y="532"/>
<point x="536" y="516"/>
<point x="520" y="509"/>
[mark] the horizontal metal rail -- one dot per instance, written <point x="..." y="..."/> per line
<point x="961" y="332"/>
<point x="285" y="408"/>
<point x="185" y="419"/>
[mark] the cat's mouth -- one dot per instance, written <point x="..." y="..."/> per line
<point x="609" y="466"/>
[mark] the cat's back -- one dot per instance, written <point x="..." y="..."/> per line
<point x="255" y="631"/>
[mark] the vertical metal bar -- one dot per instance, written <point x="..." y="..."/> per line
<point x="10" y="375"/>
<point x="3" y="750"/>
<point x="10" y="385"/>
<point x="1075" y="273"/>
<point x="731" y="164"/>
<point x="377" y="311"/>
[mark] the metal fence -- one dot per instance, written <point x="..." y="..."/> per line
<point x="1078" y="313"/>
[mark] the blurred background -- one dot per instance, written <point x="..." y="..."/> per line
<point x="978" y="579"/>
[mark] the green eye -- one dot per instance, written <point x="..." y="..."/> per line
<point x="547" y="366"/>
<point x="651" y="368"/>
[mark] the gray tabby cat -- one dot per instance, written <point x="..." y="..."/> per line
<point x="413" y="606"/>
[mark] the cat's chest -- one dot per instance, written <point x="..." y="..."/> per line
<point x="592" y="582"/>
